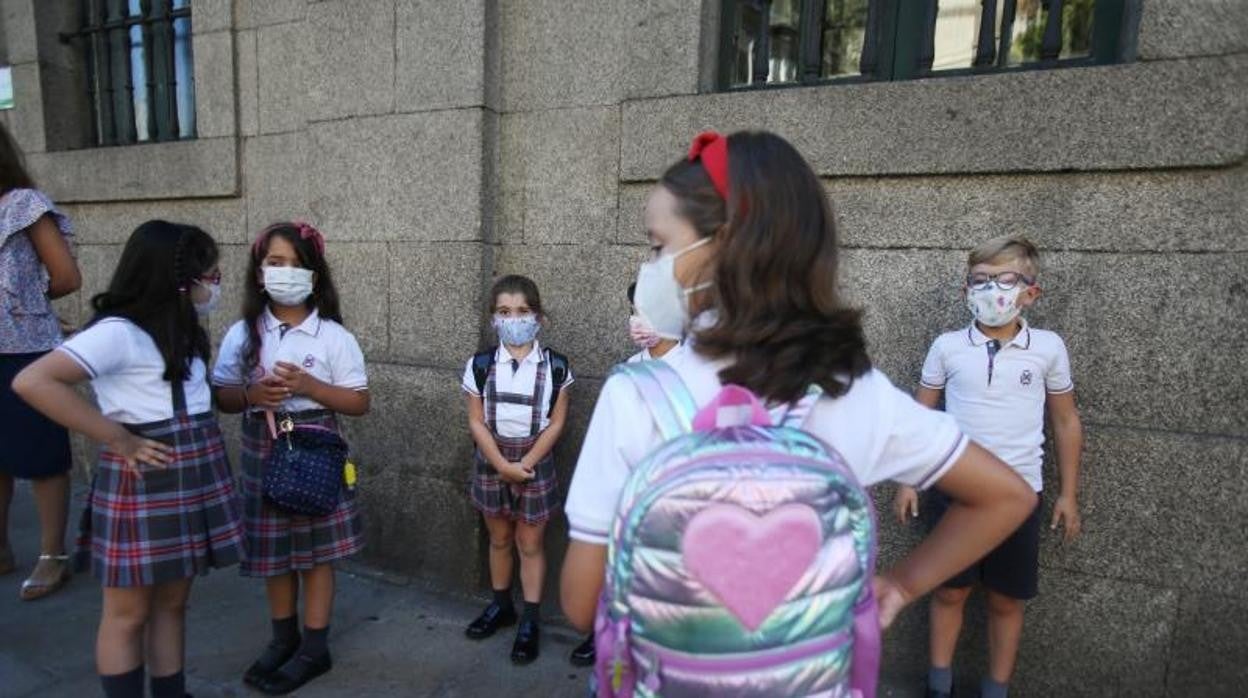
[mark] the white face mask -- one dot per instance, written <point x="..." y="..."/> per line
<point x="992" y="306"/>
<point x="659" y="297"/>
<point x="214" y="297"/>
<point x="288" y="286"/>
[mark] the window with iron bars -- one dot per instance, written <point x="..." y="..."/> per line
<point x="776" y="43"/>
<point x="139" y="70"/>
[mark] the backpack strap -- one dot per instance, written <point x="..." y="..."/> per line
<point x="558" y="373"/>
<point x="665" y="393"/>
<point x="796" y="414"/>
<point x="481" y="362"/>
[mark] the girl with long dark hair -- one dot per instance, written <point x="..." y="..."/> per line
<point x="162" y="507"/>
<point x="291" y="355"/>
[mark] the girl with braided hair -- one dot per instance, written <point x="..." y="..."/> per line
<point x="290" y="355"/>
<point x="162" y="507"/>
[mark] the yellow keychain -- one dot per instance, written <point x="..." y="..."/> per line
<point x="348" y="475"/>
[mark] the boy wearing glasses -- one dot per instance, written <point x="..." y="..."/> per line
<point x="998" y="375"/>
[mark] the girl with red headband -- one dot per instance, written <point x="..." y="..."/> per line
<point x="744" y="264"/>
<point x="290" y="356"/>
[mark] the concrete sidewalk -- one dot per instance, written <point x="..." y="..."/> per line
<point x="388" y="638"/>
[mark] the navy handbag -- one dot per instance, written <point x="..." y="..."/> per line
<point x="304" y="470"/>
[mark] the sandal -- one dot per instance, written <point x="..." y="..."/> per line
<point x="33" y="589"/>
<point x="7" y="563"/>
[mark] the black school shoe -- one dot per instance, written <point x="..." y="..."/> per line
<point x="491" y="619"/>
<point x="295" y="673"/>
<point x="275" y="655"/>
<point x="932" y="693"/>
<point x="528" y="639"/>
<point x="583" y="655"/>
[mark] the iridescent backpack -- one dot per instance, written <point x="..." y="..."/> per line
<point x="740" y="559"/>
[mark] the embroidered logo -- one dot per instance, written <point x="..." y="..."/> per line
<point x="309" y="361"/>
<point x="1025" y="377"/>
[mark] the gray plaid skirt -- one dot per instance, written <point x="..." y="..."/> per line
<point x="279" y="542"/>
<point x="173" y="522"/>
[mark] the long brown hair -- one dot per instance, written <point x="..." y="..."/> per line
<point x="780" y="318"/>
<point x="13" y="174"/>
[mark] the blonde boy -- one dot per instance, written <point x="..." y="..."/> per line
<point x="998" y="376"/>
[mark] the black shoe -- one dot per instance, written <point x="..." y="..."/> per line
<point x="295" y="673"/>
<point x="583" y="655"/>
<point x="932" y="693"/>
<point x="528" y="637"/>
<point x="491" y="619"/>
<point x="275" y="655"/>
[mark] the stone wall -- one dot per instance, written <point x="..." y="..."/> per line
<point x="439" y="144"/>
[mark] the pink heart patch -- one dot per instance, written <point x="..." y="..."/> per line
<point x="751" y="563"/>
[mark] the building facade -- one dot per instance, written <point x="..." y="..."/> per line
<point x="438" y="144"/>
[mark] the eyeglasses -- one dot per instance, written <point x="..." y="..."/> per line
<point x="212" y="278"/>
<point x="1005" y="281"/>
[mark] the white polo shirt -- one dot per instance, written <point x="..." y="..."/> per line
<point x="880" y="431"/>
<point x="645" y="355"/>
<point x="322" y="348"/>
<point x="518" y="378"/>
<point x="1002" y="410"/>
<point x="127" y="373"/>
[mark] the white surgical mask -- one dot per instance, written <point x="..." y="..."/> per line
<point x="992" y="306"/>
<point x="288" y="286"/>
<point x="214" y="297"/>
<point x="659" y="297"/>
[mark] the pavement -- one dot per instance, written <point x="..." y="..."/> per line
<point x="389" y="637"/>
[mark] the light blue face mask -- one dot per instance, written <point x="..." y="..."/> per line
<point x="516" y="331"/>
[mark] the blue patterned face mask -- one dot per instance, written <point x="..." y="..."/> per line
<point x="516" y="331"/>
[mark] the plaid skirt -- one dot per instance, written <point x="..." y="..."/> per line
<point x="279" y="542"/>
<point x="173" y="522"/>
<point x="533" y="502"/>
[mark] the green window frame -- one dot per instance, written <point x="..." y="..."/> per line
<point x="785" y="43"/>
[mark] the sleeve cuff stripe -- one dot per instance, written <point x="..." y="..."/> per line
<point x="80" y="360"/>
<point x="959" y="445"/>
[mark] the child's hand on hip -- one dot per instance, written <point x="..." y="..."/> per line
<point x="1067" y="510"/>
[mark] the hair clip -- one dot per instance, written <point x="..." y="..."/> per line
<point x="712" y="149"/>
<point x="307" y="232"/>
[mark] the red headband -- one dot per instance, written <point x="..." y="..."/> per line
<point x="712" y="149"/>
<point x="306" y="232"/>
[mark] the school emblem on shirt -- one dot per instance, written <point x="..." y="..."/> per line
<point x="1025" y="377"/>
<point x="309" y="361"/>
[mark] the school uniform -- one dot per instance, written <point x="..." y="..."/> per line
<point x="279" y="542"/>
<point x="997" y="394"/>
<point x="881" y="432"/>
<point x="645" y="355"/>
<point x="34" y="446"/>
<point x="179" y="519"/>
<point x="517" y="404"/>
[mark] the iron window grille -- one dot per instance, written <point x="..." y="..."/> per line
<point x="139" y="70"/>
<point x="778" y="43"/>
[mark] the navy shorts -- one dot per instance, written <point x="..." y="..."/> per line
<point x="1012" y="568"/>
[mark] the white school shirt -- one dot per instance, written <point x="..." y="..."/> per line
<point x="645" y="355"/>
<point x="127" y="373"/>
<point x="1005" y="413"/>
<point x="322" y="348"/>
<point x="514" y="420"/>
<point x="880" y="431"/>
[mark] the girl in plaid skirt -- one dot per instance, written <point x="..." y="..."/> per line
<point x="291" y="357"/>
<point x="162" y="508"/>
<point x="517" y="406"/>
